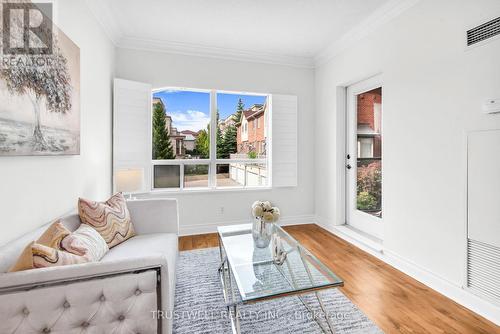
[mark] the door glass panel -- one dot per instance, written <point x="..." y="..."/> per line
<point x="369" y="138"/>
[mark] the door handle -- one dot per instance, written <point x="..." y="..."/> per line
<point x="348" y="166"/>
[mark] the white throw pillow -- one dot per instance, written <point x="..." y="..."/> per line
<point x="87" y="242"/>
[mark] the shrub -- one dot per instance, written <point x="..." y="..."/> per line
<point x="195" y="169"/>
<point x="370" y="186"/>
<point x="366" y="201"/>
<point x="252" y="155"/>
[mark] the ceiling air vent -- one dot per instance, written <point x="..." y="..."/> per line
<point x="483" y="32"/>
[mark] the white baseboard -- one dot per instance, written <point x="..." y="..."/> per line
<point x="353" y="235"/>
<point x="212" y="227"/>
<point x="344" y="233"/>
<point x="445" y="287"/>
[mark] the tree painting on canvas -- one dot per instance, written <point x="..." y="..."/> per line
<point x="39" y="85"/>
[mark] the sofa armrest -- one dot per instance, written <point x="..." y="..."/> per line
<point x="53" y="275"/>
<point x="159" y="215"/>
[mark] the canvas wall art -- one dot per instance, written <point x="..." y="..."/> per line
<point x="39" y="86"/>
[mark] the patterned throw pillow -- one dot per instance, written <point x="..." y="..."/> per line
<point x="53" y="236"/>
<point x="36" y="255"/>
<point x="111" y="218"/>
<point x="44" y="256"/>
<point x="86" y="242"/>
<point x="57" y="246"/>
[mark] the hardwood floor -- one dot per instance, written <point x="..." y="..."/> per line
<point x="394" y="301"/>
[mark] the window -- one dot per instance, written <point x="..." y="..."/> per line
<point x="365" y="147"/>
<point x="200" y="139"/>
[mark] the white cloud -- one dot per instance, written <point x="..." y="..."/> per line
<point x="189" y="120"/>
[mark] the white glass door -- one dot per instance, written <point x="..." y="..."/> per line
<point x="364" y="157"/>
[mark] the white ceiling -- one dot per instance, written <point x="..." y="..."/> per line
<point x="293" y="31"/>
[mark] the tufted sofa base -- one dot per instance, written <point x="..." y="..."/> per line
<point x="120" y="303"/>
<point x="121" y="293"/>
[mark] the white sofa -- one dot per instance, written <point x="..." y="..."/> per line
<point x="122" y="293"/>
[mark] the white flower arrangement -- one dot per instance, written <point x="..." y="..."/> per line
<point x="265" y="211"/>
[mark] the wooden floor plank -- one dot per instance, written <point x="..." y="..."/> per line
<point x="394" y="301"/>
<point x="186" y="242"/>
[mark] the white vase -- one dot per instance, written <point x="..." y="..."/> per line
<point x="261" y="232"/>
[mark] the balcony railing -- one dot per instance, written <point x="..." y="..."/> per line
<point x="242" y="156"/>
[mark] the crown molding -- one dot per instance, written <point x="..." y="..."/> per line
<point x="102" y="14"/>
<point x="384" y="14"/>
<point x="213" y="52"/>
<point x="381" y="16"/>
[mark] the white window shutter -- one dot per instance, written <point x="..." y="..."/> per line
<point x="132" y="128"/>
<point x="284" y="140"/>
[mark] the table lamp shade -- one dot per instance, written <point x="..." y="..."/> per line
<point x="129" y="180"/>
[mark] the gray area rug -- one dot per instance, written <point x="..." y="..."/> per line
<point x="200" y="307"/>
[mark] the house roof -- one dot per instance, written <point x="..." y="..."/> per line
<point x="254" y="111"/>
<point x="157" y="100"/>
<point x="230" y="119"/>
<point x="189" y="132"/>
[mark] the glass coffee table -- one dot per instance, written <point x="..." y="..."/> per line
<point x="258" y="278"/>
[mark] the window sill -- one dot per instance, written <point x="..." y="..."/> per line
<point x="161" y="192"/>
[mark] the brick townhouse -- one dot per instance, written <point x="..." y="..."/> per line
<point x="369" y="124"/>
<point x="251" y="135"/>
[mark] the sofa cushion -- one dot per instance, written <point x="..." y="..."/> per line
<point x="145" y="245"/>
<point x="111" y="218"/>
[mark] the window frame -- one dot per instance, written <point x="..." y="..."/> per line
<point x="213" y="161"/>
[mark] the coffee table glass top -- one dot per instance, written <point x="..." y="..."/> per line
<point x="255" y="273"/>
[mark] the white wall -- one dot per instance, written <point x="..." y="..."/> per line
<point x="35" y="190"/>
<point x="200" y="212"/>
<point x="432" y="93"/>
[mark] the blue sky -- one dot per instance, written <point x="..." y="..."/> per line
<point x="226" y="103"/>
<point x="191" y="110"/>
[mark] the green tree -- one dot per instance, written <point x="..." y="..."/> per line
<point x="219" y="138"/>
<point x="239" y="110"/>
<point x="162" y="148"/>
<point x="202" y="144"/>
<point x="228" y="144"/>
